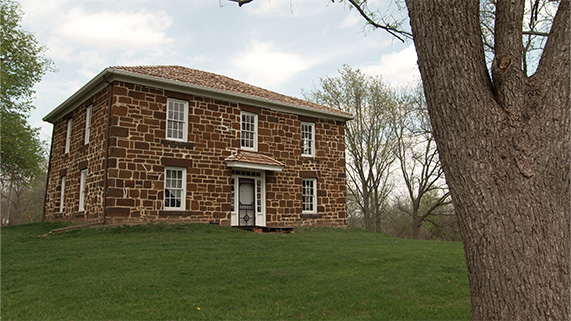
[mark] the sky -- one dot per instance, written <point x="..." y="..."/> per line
<point x="281" y="45"/>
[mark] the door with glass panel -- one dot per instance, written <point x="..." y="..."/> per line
<point x="248" y="198"/>
<point x="246" y="202"/>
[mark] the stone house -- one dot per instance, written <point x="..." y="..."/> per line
<point x="173" y="144"/>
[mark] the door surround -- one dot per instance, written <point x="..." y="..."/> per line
<point x="259" y="195"/>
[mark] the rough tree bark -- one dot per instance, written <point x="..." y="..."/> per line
<point x="505" y="147"/>
<point x="504" y="143"/>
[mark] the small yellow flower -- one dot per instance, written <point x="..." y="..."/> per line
<point x="198" y="308"/>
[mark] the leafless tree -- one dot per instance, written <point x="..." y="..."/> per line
<point x="419" y="164"/>
<point x="368" y="138"/>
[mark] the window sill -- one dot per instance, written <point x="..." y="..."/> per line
<point x="308" y="159"/>
<point x="178" y="213"/>
<point x="188" y="145"/>
<point x="174" y="213"/>
<point x="310" y="215"/>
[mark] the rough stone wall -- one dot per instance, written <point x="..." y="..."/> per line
<point x="280" y="137"/>
<point x="81" y="156"/>
<point x="138" y="154"/>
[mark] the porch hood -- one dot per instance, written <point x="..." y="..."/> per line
<point x="253" y="161"/>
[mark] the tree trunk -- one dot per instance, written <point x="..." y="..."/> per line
<point x="7" y="219"/>
<point x="377" y="211"/>
<point x="505" y="149"/>
<point x="415" y="228"/>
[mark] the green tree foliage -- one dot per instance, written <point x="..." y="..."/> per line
<point x="22" y="60"/>
<point x="22" y="66"/>
<point x="23" y="158"/>
<point x="22" y="149"/>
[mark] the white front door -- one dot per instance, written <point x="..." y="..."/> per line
<point x="246" y="202"/>
<point x="248" y="208"/>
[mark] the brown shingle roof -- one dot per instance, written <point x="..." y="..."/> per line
<point x="211" y="80"/>
<point x="252" y="158"/>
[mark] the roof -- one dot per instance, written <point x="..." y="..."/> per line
<point x="253" y="161"/>
<point x="182" y="79"/>
<point x="208" y="79"/>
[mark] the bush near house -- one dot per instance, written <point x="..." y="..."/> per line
<point x="199" y="271"/>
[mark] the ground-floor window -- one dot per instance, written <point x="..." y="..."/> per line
<point x="62" y="195"/>
<point x="82" y="183"/>
<point x="175" y="188"/>
<point x="309" y="195"/>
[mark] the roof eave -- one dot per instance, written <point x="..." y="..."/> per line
<point x="111" y="74"/>
<point x="97" y="83"/>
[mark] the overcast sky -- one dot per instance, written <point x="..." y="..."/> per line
<point x="281" y="45"/>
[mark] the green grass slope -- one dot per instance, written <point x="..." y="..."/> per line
<point x="204" y="272"/>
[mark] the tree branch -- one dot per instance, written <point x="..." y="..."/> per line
<point x="441" y="202"/>
<point x="241" y="2"/>
<point x="392" y="30"/>
<point x="555" y="57"/>
<point x="535" y="33"/>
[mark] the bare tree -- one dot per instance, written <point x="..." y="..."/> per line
<point x="419" y="164"/>
<point x="24" y="203"/>
<point x="504" y="139"/>
<point x="368" y="138"/>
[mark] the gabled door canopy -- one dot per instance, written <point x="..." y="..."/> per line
<point x="253" y="161"/>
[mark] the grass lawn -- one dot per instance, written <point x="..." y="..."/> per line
<point x="204" y="272"/>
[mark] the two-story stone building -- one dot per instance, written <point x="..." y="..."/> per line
<point x="168" y="143"/>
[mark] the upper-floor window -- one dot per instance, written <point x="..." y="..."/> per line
<point x="249" y="131"/>
<point x="68" y="135"/>
<point x="307" y="139"/>
<point x="309" y="195"/>
<point x="177" y="120"/>
<point x="175" y="188"/>
<point x="82" y="185"/>
<point x="88" y="113"/>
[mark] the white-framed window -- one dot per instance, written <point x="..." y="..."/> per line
<point x="175" y="188"/>
<point x="88" y="113"/>
<point x="177" y="120"/>
<point x="82" y="183"/>
<point x="62" y="195"/>
<point x="307" y="139"/>
<point x="249" y="131"/>
<point x="309" y="195"/>
<point x="68" y="135"/>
